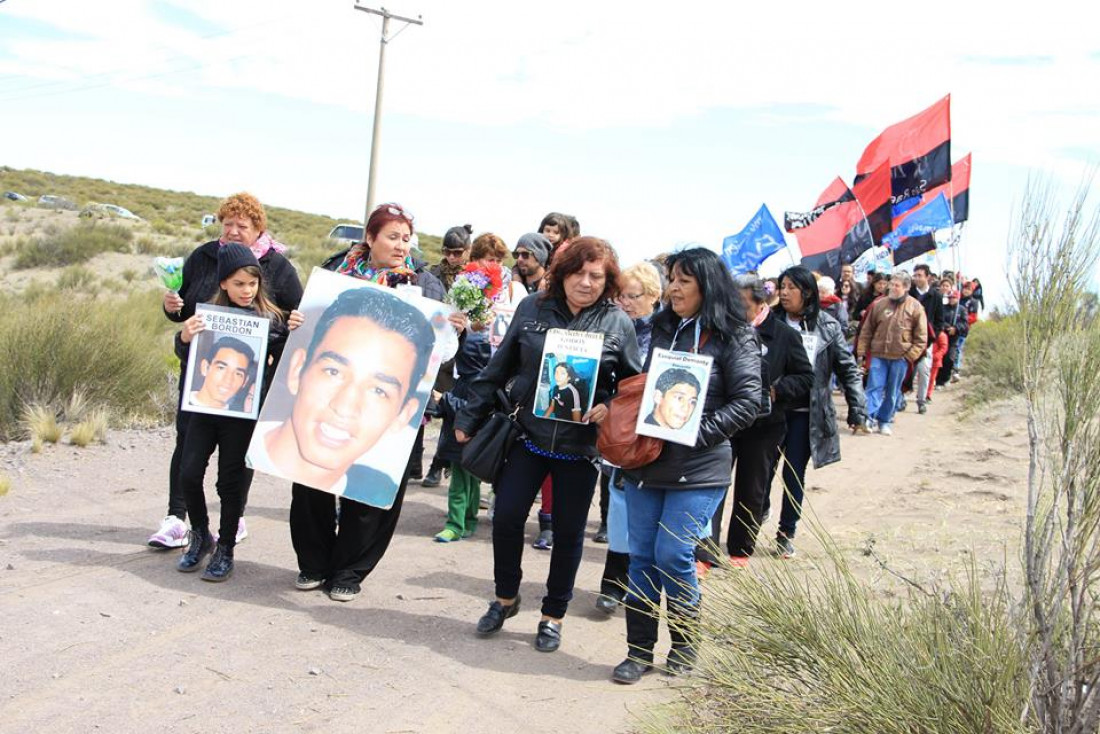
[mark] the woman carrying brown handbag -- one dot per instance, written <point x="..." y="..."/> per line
<point x="670" y="500"/>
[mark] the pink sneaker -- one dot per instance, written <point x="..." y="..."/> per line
<point x="172" y="534"/>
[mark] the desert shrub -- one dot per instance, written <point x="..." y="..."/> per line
<point x="77" y="278"/>
<point x="145" y="245"/>
<point x="40" y="422"/>
<point x="791" y="648"/>
<point x="162" y="227"/>
<point x="112" y="351"/>
<point x="993" y="360"/>
<point x="129" y="274"/>
<point x="92" y="429"/>
<point x="78" y="244"/>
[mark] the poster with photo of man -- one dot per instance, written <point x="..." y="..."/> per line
<point x="225" y="363"/>
<point x="348" y="397"/>
<point x="567" y="375"/>
<point x="675" y="391"/>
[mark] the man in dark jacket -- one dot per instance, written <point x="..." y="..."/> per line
<point x="532" y="253"/>
<point x="925" y="291"/>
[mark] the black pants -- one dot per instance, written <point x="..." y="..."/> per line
<point x="755" y="451"/>
<point x="416" y="458"/>
<point x="230" y="436"/>
<point x="574" y="485"/>
<point x="343" y="550"/>
<point x="177" y="505"/>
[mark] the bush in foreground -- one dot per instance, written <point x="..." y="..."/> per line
<point x="113" y="353"/>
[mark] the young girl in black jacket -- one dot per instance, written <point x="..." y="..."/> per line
<point x="240" y="285"/>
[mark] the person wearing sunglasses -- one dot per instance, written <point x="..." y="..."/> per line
<point x="531" y="253"/>
<point x="456" y="253"/>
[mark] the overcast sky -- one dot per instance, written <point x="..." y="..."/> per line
<point x="654" y="128"/>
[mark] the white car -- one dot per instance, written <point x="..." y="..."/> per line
<point x="346" y="234"/>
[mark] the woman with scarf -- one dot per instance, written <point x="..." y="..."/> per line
<point x="335" y="555"/>
<point x="243" y="221"/>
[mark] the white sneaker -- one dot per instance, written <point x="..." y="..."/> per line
<point x="242" y="532"/>
<point x="885" y="430"/>
<point x="172" y="534"/>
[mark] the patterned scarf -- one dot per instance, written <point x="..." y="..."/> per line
<point x="357" y="264"/>
<point x="263" y="243"/>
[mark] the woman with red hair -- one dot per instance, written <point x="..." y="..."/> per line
<point x="340" y="555"/>
<point x="583" y="282"/>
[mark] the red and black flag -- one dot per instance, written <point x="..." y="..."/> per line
<point x="960" y="188"/>
<point x="918" y="151"/>
<point x="835" y="193"/>
<point x="837" y="235"/>
<point x="873" y="194"/>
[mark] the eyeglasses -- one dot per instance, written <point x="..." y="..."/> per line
<point x="521" y="254"/>
<point x="449" y="252"/>
<point x="631" y="296"/>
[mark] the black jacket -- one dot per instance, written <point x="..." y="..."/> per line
<point x="431" y="285"/>
<point x="956" y="316"/>
<point x="732" y="403"/>
<point x="789" y="370"/>
<point x="471" y="359"/>
<point x="832" y="357"/>
<point x="200" y="280"/>
<point x="518" y="359"/>
<point x="933" y="308"/>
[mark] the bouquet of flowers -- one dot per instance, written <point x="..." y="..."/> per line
<point x="474" y="290"/>
<point x="170" y="271"/>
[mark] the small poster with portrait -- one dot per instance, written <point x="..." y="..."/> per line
<point x="350" y="391"/>
<point x="498" y="325"/>
<point x="675" y="391"/>
<point x="225" y="363"/>
<point x="567" y="375"/>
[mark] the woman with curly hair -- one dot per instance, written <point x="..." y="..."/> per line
<point x="243" y="221"/>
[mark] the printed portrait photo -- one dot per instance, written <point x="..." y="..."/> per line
<point x="351" y="389"/>
<point x="225" y="368"/>
<point x="675" y="391"/>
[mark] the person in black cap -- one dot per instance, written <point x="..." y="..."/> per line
<point x="240" y="286"/>
<point x="531" y="253"/>
<point x="456" y="253"/>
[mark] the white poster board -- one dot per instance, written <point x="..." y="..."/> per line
<point x="675" y="392"/>
<point x="567" y="375"/>
<point x="226" y="362"/>
<point x="350" y="391"/>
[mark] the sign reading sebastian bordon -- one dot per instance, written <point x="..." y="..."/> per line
<point x="350" y="391"/>
<point x="675" y="391"/>
<point x="225" y="363"/>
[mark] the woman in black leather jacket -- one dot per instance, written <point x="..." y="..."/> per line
<point x="583" y="280"/>
<point x="670" y="501"/>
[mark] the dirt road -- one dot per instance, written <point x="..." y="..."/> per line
<point x="99" y="633"/>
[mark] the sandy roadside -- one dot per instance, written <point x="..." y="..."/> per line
<point x="99" y="633"/>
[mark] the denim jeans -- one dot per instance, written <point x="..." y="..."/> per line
<point x="884" y="388"/>
<point x="664" y="526"/>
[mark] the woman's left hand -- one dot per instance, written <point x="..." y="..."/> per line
<point x="459" y="321"/>
<point x="596" y="414"/>
<point x="295" y="319"/>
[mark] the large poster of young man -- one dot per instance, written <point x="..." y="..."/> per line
<point x="350" y="391"/>
<point x="225" y="363"/>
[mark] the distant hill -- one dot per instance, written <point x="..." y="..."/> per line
<point x="169" y="211"/>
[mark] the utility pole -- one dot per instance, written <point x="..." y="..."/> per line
<point x="386" y="38"/>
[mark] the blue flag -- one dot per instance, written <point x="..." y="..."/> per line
<point x="934" y="215"/>
<point x="760" y="239"/>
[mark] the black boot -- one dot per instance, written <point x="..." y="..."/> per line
<point x="199" y="547"/>
<point x="683" y="629"/>
<point x="641" y="636"/>
<point x="221" y="564"/>
<point x="613" y="583"/>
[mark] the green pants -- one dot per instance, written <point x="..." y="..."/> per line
<point x="463" y="498"/>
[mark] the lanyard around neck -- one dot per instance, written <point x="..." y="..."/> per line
<point x="698" y="330"/>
